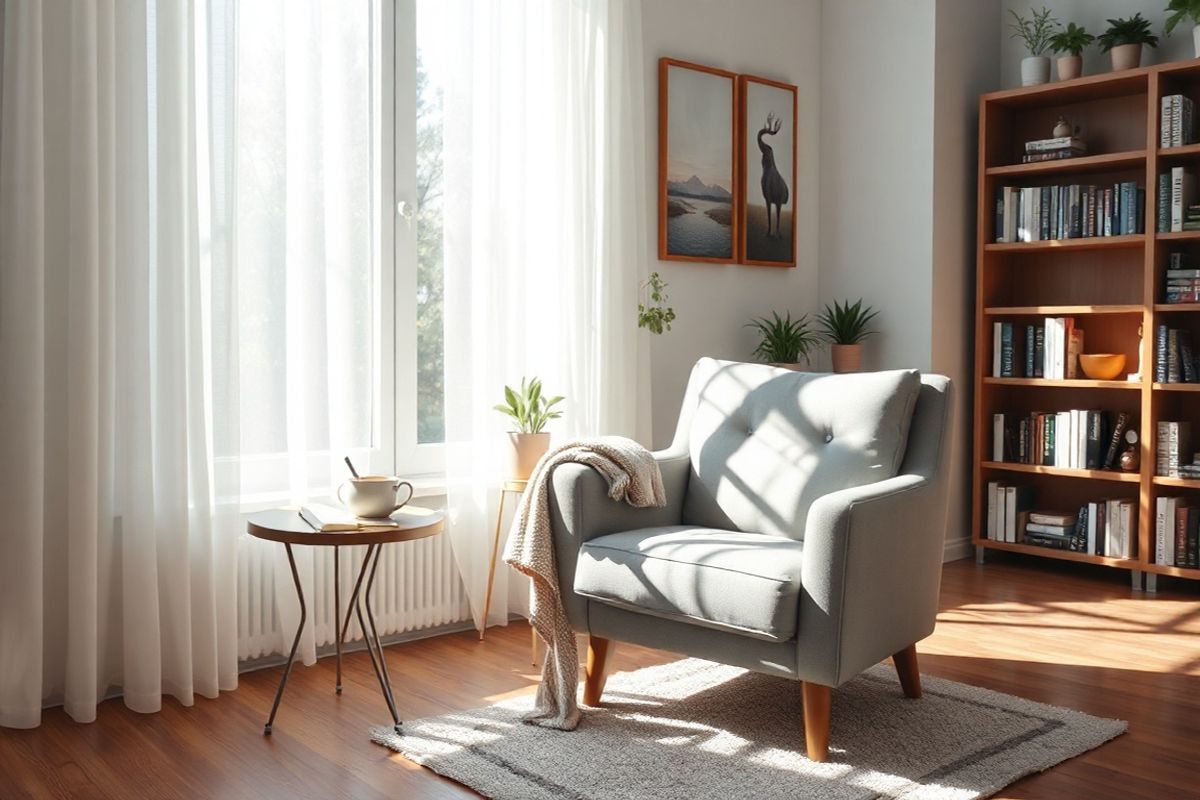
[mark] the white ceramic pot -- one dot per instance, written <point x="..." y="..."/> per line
<point x="1196" y="39"/>
<point x="1069" y="67"/>
<point x="1126" y="56"/>
<point x="1035" y="70"/>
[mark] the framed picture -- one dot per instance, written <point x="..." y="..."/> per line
<point x="697" y="153"/>
<point x="767" y="195"/>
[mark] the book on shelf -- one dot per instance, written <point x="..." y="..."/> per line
<point x="1074" y="211"/>
<point x="1176" y="532"/>
<point x="1056" y="143"/>
<point x="328" y="519"/>
<point x="1072" y="439"/>
<point x="1115" y="437"/>
<point x="1006" y="504"/>
<point x="1174" y="354"/>
<point x="1172" y="448"/>
<point x="1183" y="194"/>
<point x="1176" y="121"/>
<point x="1102" y="527"/>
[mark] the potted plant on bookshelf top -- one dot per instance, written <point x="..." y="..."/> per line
<point x="785" y="341"/>
<point x="844" y="326"/>
<point x="1035" y="31"/>
<point x="1068" y="43"/>
<point x="529" y="410"/>
<point x="1124" y="39"/>
<point x="1181" y="10"/>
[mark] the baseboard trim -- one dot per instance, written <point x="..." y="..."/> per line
<point x="957" y="548"/>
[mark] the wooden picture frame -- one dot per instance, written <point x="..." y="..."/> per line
<point x="758" y="118"/>
<point x="697" y="211"/>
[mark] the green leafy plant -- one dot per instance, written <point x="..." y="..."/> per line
<point x="843" y="323"/>
<point x="1181" y="10"/>
<point x="1035" y="31"/>
<point x="652" y="314"/>
<point x="1127" y="30"/>
<point x="528" y="407"/>
<point x="1071" y="39"/>
<point x="784" y="340"/>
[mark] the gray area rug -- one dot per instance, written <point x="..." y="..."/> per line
<point x="693" y="730"/>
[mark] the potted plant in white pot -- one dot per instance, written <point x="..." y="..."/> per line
<point x="1068" y="44"/>
<point x="1035" y="31"/>
<point x="1124" y="39"/>
<point x="1181" y="10"/>
<point x="785" y="341"/>
<point x="529" y="410"/>
<point x="845" y="327"/>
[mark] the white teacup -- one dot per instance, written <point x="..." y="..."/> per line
<point x="373" y="496"/>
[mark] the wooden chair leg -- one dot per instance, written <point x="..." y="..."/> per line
<point x="597" y="657"/>
<point x="817" y="702"/>
<point x="906" y="668"/>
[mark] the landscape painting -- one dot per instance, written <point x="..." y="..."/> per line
<point x="697" y="220"/>
<point x="766" y="207"/>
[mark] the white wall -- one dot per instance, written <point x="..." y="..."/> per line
<point x="775" y="39"/>
<point x="898" y="154"/>
<point x="1092" y="14"/>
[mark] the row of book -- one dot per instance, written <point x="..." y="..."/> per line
<point x="1174" y="356"/>
<point x="1173" y="450"/>
<point x="1176" y="532"/>
<point x="1053" y="149"/>
<point x="1073" y="439"/>
<point x="1104" y="527"/>
<point x="1075" y="211"/>
<point x="1176" y="121"/>
<point x="1049" y="350"/>
<point x="1182" y="279"/>
<point x="1177" y="209"/>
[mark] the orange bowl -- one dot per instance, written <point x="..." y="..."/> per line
<point x="1102" y="366"/>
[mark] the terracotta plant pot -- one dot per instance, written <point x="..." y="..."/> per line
<point x="1069" y="67"/>
<point x="1035" y="70"/>
<point x="525" y="450"/>
<point x="1126" y="56"/>
<point x="846" y="357"/>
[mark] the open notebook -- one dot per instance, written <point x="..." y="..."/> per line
<point x="325" y="518"/>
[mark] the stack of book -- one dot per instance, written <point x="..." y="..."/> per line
<point x="1173" y="451"/>
<point x="1176" y="121"/>
<point x="1051" y="529"/>
<point x="1183" y="282"/>
<point x="1039" y="213"/>
<point x="1176" y="533"/>
<point x="1006" y="504"/>
<point x="1177" y="208"/>
<point x="1174" y="358"/>
<point x="1053" y="149"/>
<point x="1050" y="350"/>
<point x="1075" y="439"/>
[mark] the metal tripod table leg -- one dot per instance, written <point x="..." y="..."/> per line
<point x="287" y="670"/>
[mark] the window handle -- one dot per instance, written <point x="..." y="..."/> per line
<point x="405" y="210"/>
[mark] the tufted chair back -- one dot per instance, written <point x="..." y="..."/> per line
<point x="765" y="442"/>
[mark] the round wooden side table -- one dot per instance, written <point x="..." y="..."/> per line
<point x="285" y="525"/>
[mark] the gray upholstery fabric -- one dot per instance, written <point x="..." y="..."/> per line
<point x="766" y="442"/>
<point x="745" y="582"/>
<point x="872" y="553"/>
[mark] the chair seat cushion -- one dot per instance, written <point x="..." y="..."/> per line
<point x="748" y="583"/>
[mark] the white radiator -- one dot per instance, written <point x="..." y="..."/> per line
<point x="416" y="586"/>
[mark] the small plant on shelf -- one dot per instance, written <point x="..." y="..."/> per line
<point x="1179" y="11"/>
<point x="530" y="410"/>
<point x="1069" y="44"/>
<point x="785" y="341"/>
<point x="1035" y="31"/>
<point x="1124" y="39"/>
<point x="652" y="314"/>
<point x="845" y="327"/>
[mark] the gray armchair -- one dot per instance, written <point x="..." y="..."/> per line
<point x="802" y="536"/>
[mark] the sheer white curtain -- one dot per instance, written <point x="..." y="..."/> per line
<point x="188" y="318"/>
<point x="545" y="240"/>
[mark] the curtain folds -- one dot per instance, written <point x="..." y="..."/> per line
<point x="545" y="241"/>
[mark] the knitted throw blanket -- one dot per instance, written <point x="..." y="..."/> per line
<point x="634" y="477"/>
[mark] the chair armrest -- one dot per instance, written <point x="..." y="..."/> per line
<point x="580" y="509"/>
<point x="871" y="574"/>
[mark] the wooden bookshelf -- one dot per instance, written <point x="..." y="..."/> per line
<point x="1113" y="286"/>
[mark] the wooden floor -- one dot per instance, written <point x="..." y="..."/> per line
<point x="1064" y="634"/>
